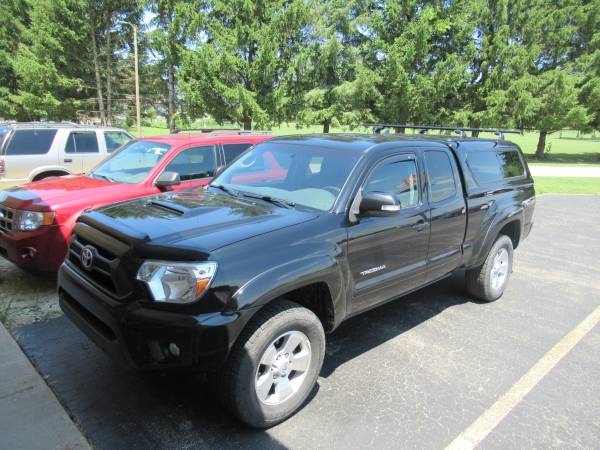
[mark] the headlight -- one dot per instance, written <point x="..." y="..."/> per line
<point x="175" y="282"/>
<point x="31" y="220"/>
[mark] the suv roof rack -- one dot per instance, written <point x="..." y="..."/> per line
<point x="203" y="130"/>
<point x="378" y="127"/>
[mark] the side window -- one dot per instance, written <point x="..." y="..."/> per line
<point x="30" y="142"/>
<point x="398" y="178"/>
<point x="114" y="139"/>
<point x="440" y="176"/>
<point x="232" y="151"/>
<point x="194" y="163"/>
<point x="511" y="164"/>
<point x="82" y="142"/>
<point x="485" y="166"/>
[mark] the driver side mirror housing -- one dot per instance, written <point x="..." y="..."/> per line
<point x="167" y="179"/>
<point x="379" y="204"/>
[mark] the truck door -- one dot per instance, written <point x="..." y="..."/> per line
<point x="448" y="213"/>
<point x="195" y="166"/>
<point x="388" y="255"/>
<point x="81" y="152"/>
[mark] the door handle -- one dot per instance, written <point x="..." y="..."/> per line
<point x="420" y="225"/>
<point x="68" y="160"/>
<point x="487" y="205"/>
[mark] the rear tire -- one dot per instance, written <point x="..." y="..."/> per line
<point x="488" y="281"/>
<point x="274" y="364"/>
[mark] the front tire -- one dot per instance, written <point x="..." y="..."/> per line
<point x="489" y="281"/>
<point x="274" y="365"/>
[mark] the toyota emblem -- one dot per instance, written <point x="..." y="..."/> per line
<point x="87" y="257"/>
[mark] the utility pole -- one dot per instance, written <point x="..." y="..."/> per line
<point x="138" y="112"/>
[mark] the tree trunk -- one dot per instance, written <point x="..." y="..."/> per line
<point x="475" y="133"/>
<point x="98" y="79"/>
<point x="171" y="88"/>
<point x="326" y="124"/>
<point x="400" y="130"/>
<point x="247" y="123"/>
<point x="541" y="145"/>
<point x="108" y="80"/>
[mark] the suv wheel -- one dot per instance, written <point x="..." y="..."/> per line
<point x="488" y="281"/>
<point x="274" y="365"/>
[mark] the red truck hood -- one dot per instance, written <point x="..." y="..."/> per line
<point x="52" y="193"/>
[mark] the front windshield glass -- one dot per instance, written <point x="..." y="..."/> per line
<point x="304" y="175"/>
<point x="132" y="163"/>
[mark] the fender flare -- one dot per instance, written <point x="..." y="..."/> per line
<point x="493" y="231"/>
<point x="40" y="170"/>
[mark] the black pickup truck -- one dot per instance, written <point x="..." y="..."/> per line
<point x="243" y="278"/>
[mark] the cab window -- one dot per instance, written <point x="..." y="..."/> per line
<point x="399" y="178"/>
<point x="30" y="142"/>
<point x="440" y="176"/>
<point x="194" y="163"/>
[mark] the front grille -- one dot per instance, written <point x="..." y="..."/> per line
<point x="6" y="218"/>
<point x="106" y="270"/>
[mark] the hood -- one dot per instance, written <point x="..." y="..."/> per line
<point x="47" y="194"/>
<point x="197" y="219"/>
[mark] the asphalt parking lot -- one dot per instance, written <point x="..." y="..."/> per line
<point x="414" y="373"/>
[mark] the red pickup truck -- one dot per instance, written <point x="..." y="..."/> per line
<point x="36" y="219"/>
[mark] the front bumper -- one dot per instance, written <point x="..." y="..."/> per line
<point x="43" y="249"/>
<point x="145" y="338"/>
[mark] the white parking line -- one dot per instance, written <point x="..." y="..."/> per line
<point x="486" y="422"/>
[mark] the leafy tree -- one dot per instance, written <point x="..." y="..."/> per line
<point x="236" y="68"/>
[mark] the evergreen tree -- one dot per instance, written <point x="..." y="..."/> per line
<point x="236" y="68"/>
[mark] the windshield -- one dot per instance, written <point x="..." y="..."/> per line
<point x="132" y="163"/>
<point x="300" y="174"/>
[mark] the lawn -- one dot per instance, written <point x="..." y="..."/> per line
<point x="565" y="147"/>
<point x="567" y="185"/>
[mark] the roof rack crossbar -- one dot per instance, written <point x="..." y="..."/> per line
<point x="203" y="130"/>
<point x="379" y="127"/>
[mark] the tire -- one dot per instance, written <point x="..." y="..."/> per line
<point x="486" y="282"/>
<point x="279" y="323"/>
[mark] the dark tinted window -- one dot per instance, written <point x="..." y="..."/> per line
<point x="30" y="142"/>
<point x="511" y="164"/>
<point x="485" y="166"/>
<point x="194" y="163"/>
<point x="82" y="142"/>
<point x="398" y="178"/>
<point x="114" y="139"/>
<point x="232" y="151"/>
<point x="440" y="176"/>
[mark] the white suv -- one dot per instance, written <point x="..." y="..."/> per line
<point x="32" y="151"/>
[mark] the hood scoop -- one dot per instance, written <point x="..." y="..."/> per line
<point x="167" y="207"/>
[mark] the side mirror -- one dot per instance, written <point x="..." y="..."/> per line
<point x="379" y="204"/>
<point x="167" y="179"/>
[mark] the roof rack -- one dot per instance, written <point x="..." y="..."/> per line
<point x="378" y="127"/>
<point x="203" y="130"/>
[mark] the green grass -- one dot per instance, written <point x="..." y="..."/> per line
<point x="566" y="147"/>
<point x="567" y="185"/>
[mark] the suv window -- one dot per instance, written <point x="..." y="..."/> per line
<point x="232" y="151"/>
<point x="30" y="142"/>
<point x="194" y="163"/>
<point x="511" y="164"/>
<point x="440" y="176"/>
<point x="82" y="142"/>
<point x="398" y="178"/>
<point x="114" y="139"/>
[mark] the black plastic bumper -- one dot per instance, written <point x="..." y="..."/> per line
<point x="146" y="338"/>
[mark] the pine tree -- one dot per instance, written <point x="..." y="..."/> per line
<point x="236" y="69"/>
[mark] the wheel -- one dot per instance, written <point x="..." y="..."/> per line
<point x="488" y="281"/>
<point x="274" y="365"/>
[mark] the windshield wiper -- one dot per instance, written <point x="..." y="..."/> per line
<point x="225" y="189"/>
<point x="104" y="177"/>
<point x="267" y="198"/>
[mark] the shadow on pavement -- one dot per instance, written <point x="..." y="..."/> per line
<point x="116" y="408"/>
